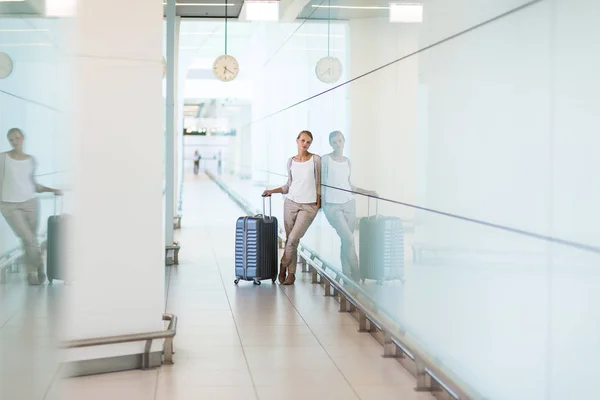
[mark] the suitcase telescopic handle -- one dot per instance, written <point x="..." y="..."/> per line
<point x="376" y="207"/>
<point x="270" y="207"/>
<point x="61" y="205"/>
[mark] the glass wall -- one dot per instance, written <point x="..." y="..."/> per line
<point x="33" y="98"/>
<point x="477" y="130"/>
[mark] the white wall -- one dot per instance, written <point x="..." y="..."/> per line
<point x="118" y="265"/>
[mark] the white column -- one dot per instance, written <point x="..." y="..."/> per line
<point x="170" y="122"/>
<point x="117" y="241"/>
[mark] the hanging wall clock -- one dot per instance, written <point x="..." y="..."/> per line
<point x="226" y="67"/>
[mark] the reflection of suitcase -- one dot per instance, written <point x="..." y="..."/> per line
<point x="381" y="248"/>
<point x="56" y="245"/>
<point x="256" y="247"/>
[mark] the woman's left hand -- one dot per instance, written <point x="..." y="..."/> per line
<point x="57" y="192"/>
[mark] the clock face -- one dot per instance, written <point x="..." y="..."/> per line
<point x="329" y="69"/>
<point x="6" y="65"/>
<point x="226" y="68"/>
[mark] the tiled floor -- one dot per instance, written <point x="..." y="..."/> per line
<point x="248" y="342"/>
<point x="29" y="320"/>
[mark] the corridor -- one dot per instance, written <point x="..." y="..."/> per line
<point x="243" y="342"/>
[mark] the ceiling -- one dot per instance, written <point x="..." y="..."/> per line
<point x="25" y="7"/>
<point x="378" y="9"/>
<point x="207" y="8"/>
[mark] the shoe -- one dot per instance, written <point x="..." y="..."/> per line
<point x="282" y="272"/>
<point x="291" y="278"/>
<point x="33" y="279"/>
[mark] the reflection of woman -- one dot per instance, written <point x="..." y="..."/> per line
<point x="303" y="201"/>
<point x="18" y="202"/>
<point x="339" y="205"/>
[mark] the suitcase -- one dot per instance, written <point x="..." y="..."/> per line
<point x="56" y="244"/>
<point x="381" y="247"/>
<point x="256" y="250"/>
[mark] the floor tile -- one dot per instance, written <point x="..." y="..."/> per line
<point x="376" y="392"/>
<point x="206" y="392"/>
<point x="300" y="391"/>
<point x="130" y="385"/>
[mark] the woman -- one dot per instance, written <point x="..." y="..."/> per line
<point x="303" y="190"/>
<point x="339" y="205"/>
<point x="18" y="202"/>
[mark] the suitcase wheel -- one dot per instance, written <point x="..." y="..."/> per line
<point x="236" y="281"/>
<point x="273" y="280"/>
<point x="257" y="282"/>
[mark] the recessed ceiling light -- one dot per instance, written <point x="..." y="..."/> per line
<point x="352" y="7"/>
<point x="203" y="4"/>
<point x="61" y="8"/>
<point x="406" y="12"/>
<point x="261" y="10"/>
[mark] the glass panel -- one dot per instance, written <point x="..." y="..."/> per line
<point x="34" y="98"/>
<point x="477" y="129"/>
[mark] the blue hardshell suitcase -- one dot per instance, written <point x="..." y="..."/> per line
<point x="256" y="247"/>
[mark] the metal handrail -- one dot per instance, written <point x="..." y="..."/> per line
<point x="430" y="367"/>
<point x="168" y="335"/>
<point x="426" y="364"/>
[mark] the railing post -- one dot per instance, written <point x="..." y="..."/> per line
<point x="327" y="285"/>
<point x="424" y="381"/>
<point x="303" y="264"/>
<point x="168" y="351"/>
<point x="343" y="303"/>
<point x="390" y="350"/>
<point x="362" y="322"/>
<point x="315" y="275"/>
<point x="146" y="355"/>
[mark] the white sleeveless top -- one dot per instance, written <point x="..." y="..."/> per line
<point x="304" y="188"/>
<point x="18" y="186"/>
<point x="338" y="175"/>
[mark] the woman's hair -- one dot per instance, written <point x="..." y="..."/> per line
<point x="11" y="130"/>
<point x="334" y="134"/>
<point x="306" y="133"/>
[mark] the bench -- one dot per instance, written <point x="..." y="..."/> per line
<point x="177" y="222"/>
<point x="175" y="248"/>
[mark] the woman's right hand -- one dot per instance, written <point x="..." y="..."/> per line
<point x="267" y="193"/>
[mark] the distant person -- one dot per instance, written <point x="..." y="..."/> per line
<point x="19" y="204"/>
<point x="197" y="159"/>
<point x="339" y="205"/>
<point x="219" y="163"/>
<point x="303" y="201"/>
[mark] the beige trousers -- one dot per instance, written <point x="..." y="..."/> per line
<point x="296" y="219"/>
<point x="342" y="218"/>
<point x="23" y="219"/>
